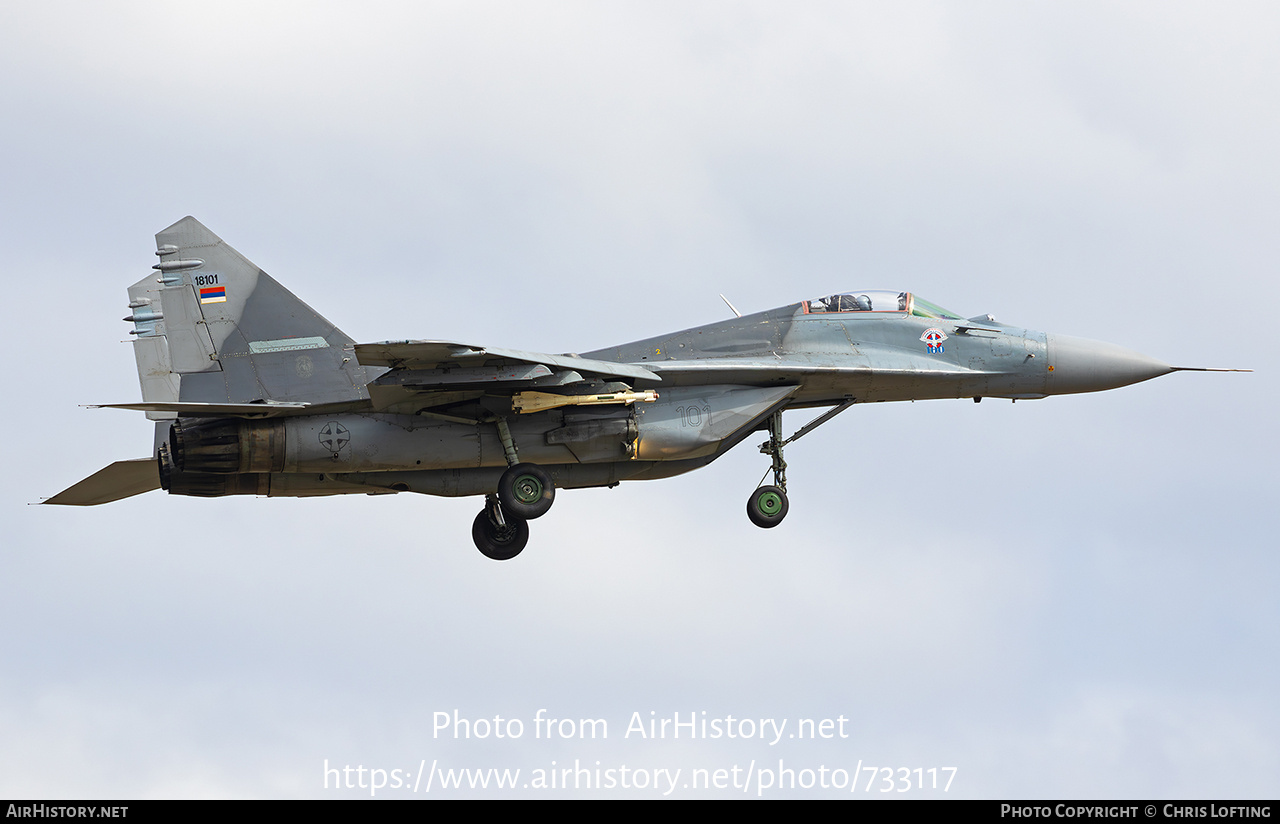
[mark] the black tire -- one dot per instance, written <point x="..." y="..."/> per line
<point x="767" y="506"/>
<point x="526" y="491"/>
<point x="499" y="543"/>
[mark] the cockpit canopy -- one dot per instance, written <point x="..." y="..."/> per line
<point x="878" y="300"/>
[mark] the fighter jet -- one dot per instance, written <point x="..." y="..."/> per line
<point x="253" y="393"/>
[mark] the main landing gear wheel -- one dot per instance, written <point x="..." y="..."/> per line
<point x="501" y="543"/>
<point x="526" y="492"/>
<point x="767" y="506"/>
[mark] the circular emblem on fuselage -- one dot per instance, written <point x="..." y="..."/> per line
<point x="334" y="436"/>
<point x="933" y="338"/>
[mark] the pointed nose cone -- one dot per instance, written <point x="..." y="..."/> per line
<point x="1079" y="365"/>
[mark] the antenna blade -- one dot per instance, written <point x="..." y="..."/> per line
<point x="730" y="305"/>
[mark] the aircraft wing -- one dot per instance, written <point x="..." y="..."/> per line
<point x="122" y="479"/>
<point x="437" y="354"/>
<point x="211" y="410"/>
<point x="445" y="371"/>
<point x="260" y="409"/>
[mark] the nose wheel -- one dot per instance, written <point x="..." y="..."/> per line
<point x="767" y="506"/>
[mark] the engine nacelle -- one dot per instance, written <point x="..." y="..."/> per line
<point x="225" y="446"/>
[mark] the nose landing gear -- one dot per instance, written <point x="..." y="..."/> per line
<point x="768" y="505"/>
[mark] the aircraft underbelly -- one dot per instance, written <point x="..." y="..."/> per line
<point x="687" y="423"/>
<point x="382" y="443"/>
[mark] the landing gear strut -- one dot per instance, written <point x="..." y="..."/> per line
<point x="768" y="505"/>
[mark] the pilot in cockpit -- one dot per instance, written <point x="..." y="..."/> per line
<point x="846" y="303"/>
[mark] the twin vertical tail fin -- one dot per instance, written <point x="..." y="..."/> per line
<point x="212" y="333"/>
<point x="211" y="327"/>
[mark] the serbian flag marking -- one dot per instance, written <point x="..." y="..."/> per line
<point x="213" y="294"/>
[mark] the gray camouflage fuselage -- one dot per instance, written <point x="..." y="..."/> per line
<point x="253" y="392"/>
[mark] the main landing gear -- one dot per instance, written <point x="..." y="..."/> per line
<point x="525" y="492"/>
<point x="497" y="536"/>
<point x="768" y="505"/>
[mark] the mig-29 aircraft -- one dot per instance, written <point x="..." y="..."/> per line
<point x="253" y="393"/>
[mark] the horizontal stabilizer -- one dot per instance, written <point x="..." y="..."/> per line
<point x="428" y="354"/>
<point x="122" y="479"/>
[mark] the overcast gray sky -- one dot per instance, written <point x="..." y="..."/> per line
<point x="1073" y="597"/>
